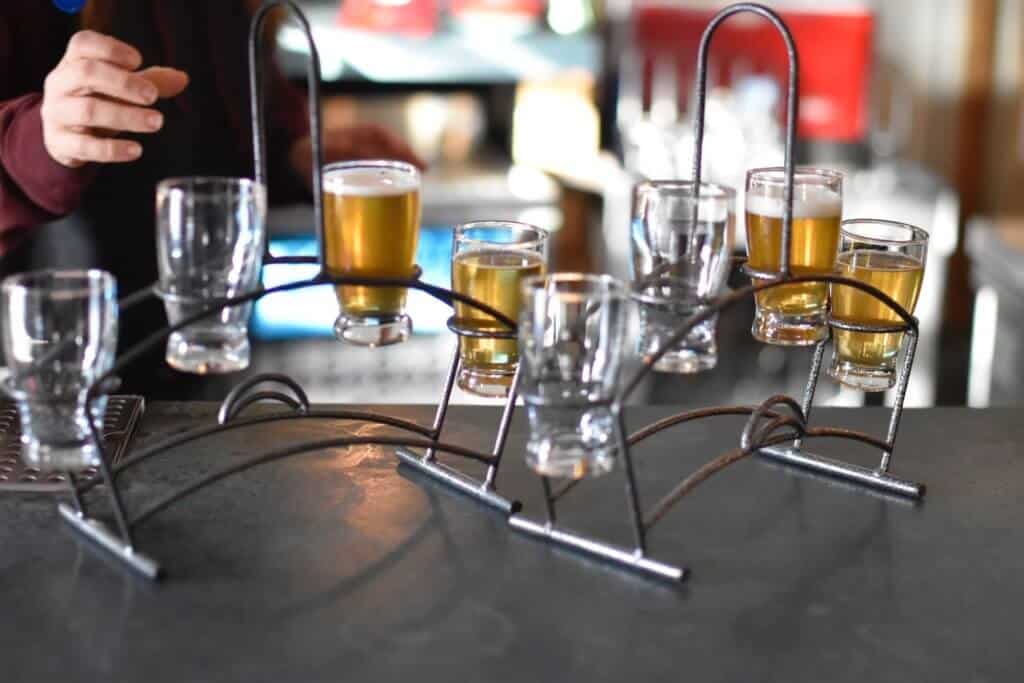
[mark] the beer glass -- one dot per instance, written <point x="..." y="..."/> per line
<point x="210" y="241"/>
<point x="59" y="332"/>
<point x="490" y="260"/>
<point x="681" y="244"/>
<point x="372" y="214"/>
<point x="571" y="332"/>
<point x="793" y="315"/>
<point x="889" y="256"/>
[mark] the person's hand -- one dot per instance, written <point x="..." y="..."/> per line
<point x="95" y="94"/>
<point x="351" y="143"/>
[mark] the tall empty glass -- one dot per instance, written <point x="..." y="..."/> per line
<point x="681" y="242"/>
<point x="571" y="332"/>
<point x="490" y="261"/>
<point x="210" y="240"/>
<point x="889" y="256"/>
<point x="793" y="315"/>
<point x="59" y="331"/>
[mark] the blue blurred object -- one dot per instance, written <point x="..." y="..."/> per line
<point x="69" y="6"/>
<point x="311" y="312"/>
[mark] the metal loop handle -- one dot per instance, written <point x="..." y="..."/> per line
<point x="239" y="398"/>
<point x="792" y="104"/>
<point x="257" y="110"/>
<point x="756" y="431"/>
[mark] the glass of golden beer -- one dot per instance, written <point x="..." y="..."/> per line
<point x="372" y="216"/>
<point x="793" y="315"/>
<point x="490" y="260"/>
<point x="889" y="256"/>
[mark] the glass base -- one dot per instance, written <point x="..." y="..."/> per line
<point x="486" y="383"/>
<point x="868" y="378"/>
<point x="70" y="457"/>
<point x="780" y="329"/>
<point x="571" y="442"/>
<point x="208" y="353"/>
<point x="373" y="331"/>
<point x="698" y="352"/>
<point x="687" y="362"/>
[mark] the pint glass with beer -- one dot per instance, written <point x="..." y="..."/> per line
<point x="793" y="315"/>
<point x="372" y="216"/>
<point x="490" y="260"/>
<point x="889" y="256"/>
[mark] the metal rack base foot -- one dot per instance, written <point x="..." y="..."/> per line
<point x="457" y="480"/>
<point x="100" y="534"/>
<point x="625" y="558"/>
<point x="836" y="469"/>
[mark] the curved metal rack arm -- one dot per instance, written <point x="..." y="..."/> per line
<point x="239" y="398"/>
<point x="279" y="453"/>
<point x="257" y="101"/>
<point x="767" y="439"/>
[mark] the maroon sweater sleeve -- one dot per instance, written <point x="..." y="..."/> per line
<point x="34" y="188"/>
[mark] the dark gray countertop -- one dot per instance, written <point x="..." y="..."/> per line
<point x="333" y="566"/>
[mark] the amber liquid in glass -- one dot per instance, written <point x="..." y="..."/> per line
<point x="897" y="275"/>
<point x="494" y="277"/>
<point x="372" y="219"/>
<point x="812" y="251"/>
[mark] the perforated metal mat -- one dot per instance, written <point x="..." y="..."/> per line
<point x="119" y="422"/>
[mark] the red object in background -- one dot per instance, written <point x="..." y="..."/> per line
<point x="527" y="8"/>
<point x="835" y="59"/>
<point x="415" y="18"/>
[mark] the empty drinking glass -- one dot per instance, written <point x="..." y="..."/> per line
<point x="210" y="241"/>
<point x="571" y="330"/>
<point x="682" y="245"/>
<point x="59" y="331"/>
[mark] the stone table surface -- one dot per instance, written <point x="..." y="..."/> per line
<point x="338" y="566"/>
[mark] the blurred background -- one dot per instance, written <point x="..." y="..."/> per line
<point x="549" y="110"/>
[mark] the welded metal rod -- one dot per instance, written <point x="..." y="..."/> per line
<point x="901" y="394"/>
<point x="846" y="472"/>
<point x="257" y="109"/>
<point x="446" y="396"/>
<point x="792" y="104"/>
<point x="632" y="492"/>
<point x="812" y="381"/>
<point x="459" y="481"/>
<point x="623" y="557"/>
<point x="503" y="427"/>
<point x="100" y="534"/>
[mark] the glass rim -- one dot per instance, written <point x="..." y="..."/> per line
<point x="539" y="239"/>
<point x="917" y="236"/>
<point x="180" y="182"/>
<point x="612" y="285"/>
<point x="396" y="164"/>
<point x="77" y="281"/>
<point x="765" y="174"/>
<point x="714" y="190"/>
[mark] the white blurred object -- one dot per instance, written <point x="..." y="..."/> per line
<point x="741" y="131"/>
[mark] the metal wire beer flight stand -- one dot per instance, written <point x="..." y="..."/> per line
<point x="119" y="540"/>
<point x="777" y="428"/>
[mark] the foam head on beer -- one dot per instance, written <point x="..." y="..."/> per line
<point x="370" y="182"/>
